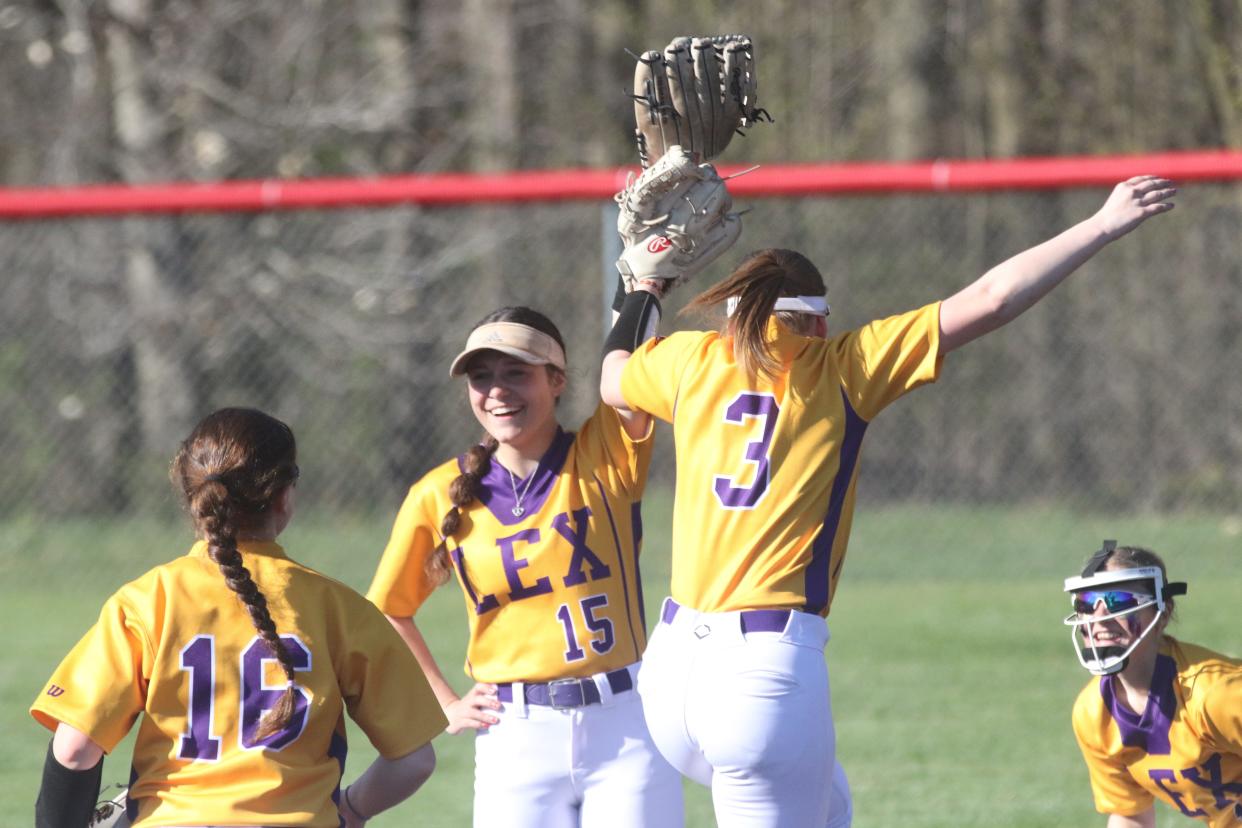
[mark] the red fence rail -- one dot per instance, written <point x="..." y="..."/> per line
<point x="597" y="184"/>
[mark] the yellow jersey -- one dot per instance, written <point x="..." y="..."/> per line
<point x="552" y="592"/>
<point x="1184" y="749"/>
<point x="766" y="467"/>
<point x="178" y="647"/>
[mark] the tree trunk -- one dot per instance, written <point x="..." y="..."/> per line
<point x="166" y="403"/>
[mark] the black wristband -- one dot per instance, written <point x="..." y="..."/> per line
<point x="639" y="317"/>
<point x="67" y="797"/>
<point x="618" y="298"/>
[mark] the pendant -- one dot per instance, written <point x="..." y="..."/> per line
<point x="518" y="511"/>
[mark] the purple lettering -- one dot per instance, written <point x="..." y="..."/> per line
<point x="199" y="659"/>
<point x="582" y="552"/>
<point x="1216" y="784"/>
<point x="572" y="651"/>
<point x="1160" y="776"/>
<point x="257" y="697"/>
<point x="750" y="405"/>
<point x="518" y="591"/>
<point x="598" y="625"/>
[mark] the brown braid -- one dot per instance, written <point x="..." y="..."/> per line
<point x="462" y="492"/>
<point x="230" y="470"/>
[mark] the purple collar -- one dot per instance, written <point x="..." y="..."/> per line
<point x="497" y="486"/>
<point x="1150" y="731"/>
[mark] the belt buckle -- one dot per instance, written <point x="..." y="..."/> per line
<point x="565" y="682"/>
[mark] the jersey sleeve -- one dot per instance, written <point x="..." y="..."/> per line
<point x="652" y="374"/>
<point x="100" y="687"/>
<point x="1221" y="713"/>
<point x="384" y="689"/>
<point x="401" y="585"/>
<point x="1112" y="786"/>
<point x="615" y="456"/>
<point x="887" y="358"/>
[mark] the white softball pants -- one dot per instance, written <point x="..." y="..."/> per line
<point x="747" y="713"/>
<point x="590" y="766"/>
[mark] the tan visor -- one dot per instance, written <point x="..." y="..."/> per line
<point x="518" y="341"/>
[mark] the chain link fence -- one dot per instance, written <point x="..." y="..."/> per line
<point x="1119" y="392"/>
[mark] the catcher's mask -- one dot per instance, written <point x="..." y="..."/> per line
<point x="1145" y="587"/>
<point x="519" y="341"/>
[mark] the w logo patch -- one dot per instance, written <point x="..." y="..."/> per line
<point x="55" y="690"/>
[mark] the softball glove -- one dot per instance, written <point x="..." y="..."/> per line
<point x="696" y="94"/>
<point x="111" y="813"/>
<point x="674" y="220"/>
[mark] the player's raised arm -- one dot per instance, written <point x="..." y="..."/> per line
<point x="1014" y="285"/>
<point x="675" y="219"/>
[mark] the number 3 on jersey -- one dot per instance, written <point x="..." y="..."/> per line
<point x="198" y="658"/>
<point x="750" y="405"/>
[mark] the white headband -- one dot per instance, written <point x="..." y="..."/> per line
<point x="817" y="305"/>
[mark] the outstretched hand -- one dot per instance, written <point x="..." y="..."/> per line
<point x="1132" y="202"/>
<point x="473" y="710"/>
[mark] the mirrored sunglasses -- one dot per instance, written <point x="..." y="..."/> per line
<point x="1115" y="600"/>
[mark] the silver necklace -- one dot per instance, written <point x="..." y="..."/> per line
<point x="517" y="510"/>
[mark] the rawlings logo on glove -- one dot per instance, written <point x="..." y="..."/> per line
<point x="659" y="244"/>
<point x="674" y="220"/>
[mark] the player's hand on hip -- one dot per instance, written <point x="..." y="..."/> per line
<point x="473" y="711"/>
<point x="1132" y="202"/>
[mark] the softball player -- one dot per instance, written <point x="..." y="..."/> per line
<point x="1162" y="719"/>
<point x="769" y="419"/>
<point x="242" y="664"/>
<point x="541" y="528"/>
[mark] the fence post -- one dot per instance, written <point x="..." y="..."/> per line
<point x="610" y="251"/>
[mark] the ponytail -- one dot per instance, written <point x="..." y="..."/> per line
<point x="756" y="284"/>
<point x="230" y="470"/>
<point x="463" y="491"/>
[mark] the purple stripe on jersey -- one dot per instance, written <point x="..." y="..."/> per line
<point x="131" y="804"/>
<point x="496" y="491"/>
<point x="625" y="582"/>
<point x="817" y="573"/>
<point x="1150" y="731"/>
<point x="636" y="526"/>
<point x="338" y="748"/>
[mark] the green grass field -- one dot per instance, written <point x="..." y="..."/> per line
<point x="952" y="676"/>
